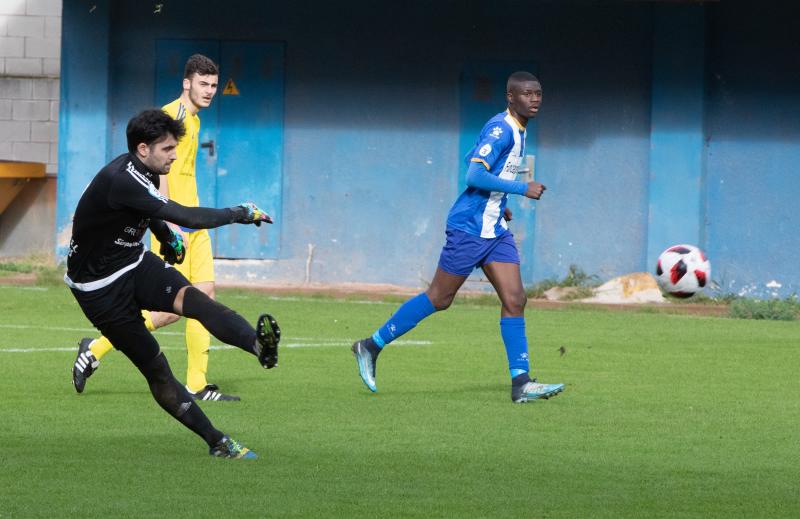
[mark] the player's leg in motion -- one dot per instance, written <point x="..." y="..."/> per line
<point x="90" y="351"/>
<point x="136" y="342"/>
<point x="506" y="279"/>
<point x="230" y="327"/>
<point x="438" y="297"/>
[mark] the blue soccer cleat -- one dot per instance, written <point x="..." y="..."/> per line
<point x="230" y="448"/>
<point x="532" y="390"/>
<point x="366" y="358"/>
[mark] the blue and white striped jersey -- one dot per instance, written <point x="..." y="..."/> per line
<point x="499" y="148"/>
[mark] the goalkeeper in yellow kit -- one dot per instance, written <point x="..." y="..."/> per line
<point x="200" y="81"/>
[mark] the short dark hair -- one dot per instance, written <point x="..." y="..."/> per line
<point x="199" y="64"/>
<point x="153" y="125"/>
<point x="519" y="77"/>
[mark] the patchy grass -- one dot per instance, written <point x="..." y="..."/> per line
<point x="770" y="309"/>
<point x="654" y="421"/>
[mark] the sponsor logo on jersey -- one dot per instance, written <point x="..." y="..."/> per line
<point x="511" y="167"/>
<point x="129" y="244"/>
<point x="496" y="132"/>
<point x="485" y="150"/>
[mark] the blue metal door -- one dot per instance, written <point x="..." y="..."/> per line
<point x="482" y="95"/>
<point x="250" y="146"/>
<point x="241" y="135"/>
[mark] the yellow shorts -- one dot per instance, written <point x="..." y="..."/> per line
<point x="198" y="266"/>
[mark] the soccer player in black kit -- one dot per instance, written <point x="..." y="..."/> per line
<point x="113" y="276"/>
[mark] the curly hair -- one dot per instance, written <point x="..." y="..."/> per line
<point x="199" y="64"/>
<point x="150" y="126"/>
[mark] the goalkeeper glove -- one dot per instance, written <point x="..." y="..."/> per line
<point x="173" y="251"/>
<point x="249" y="212"/>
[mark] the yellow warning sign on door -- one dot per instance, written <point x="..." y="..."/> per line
<point x="230" y="89"/>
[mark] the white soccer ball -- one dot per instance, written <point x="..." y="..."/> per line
<point x="683" y="270"/>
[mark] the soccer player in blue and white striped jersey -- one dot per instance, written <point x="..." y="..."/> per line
<point x="478" y="236"/>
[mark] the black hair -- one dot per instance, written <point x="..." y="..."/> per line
<point x="199" y="64"/>
<point x="519" y="77"/>
<point x="153" y="125"/>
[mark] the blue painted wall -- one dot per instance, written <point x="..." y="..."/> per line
<point x="371" y="161"/>
<point x="676" y="130"/>
<point x="753" y="141"/>
<point x="83" y="111"/>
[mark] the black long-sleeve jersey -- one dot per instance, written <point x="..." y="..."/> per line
<point x="114" y="213"/>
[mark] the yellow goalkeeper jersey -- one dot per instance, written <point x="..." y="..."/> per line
<point x="181" y="178"/>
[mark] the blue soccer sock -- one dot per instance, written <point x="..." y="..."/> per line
<point x="405" y="318"/>
<point x="513" y="331"/>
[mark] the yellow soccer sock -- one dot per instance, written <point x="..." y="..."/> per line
<point x="100" y="347"/>
<point x="198" y="341"/>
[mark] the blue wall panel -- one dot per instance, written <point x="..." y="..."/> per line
<point x="83" y="111"/>
<point x="676" y="182"/>
<point x="753" y="163"/>
<point x="371" y="149"/>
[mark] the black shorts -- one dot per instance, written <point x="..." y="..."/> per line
<point x="152" y="285"/>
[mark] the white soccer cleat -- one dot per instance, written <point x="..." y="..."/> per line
<point x="533" y="390"/>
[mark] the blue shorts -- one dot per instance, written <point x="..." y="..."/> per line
<point x="464" y="252"/>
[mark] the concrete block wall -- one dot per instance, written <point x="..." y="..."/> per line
<point x="30" y="53"/>
<point x="30" y="69"/>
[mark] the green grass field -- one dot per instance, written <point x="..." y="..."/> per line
<point x="663" y="416"/>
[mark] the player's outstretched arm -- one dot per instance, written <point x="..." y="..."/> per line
<point x="479" y="178"/>
<point x="209" y="218"/>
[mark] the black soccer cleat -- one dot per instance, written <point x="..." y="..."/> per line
<point x="211" y="393"/>
<point x="268" y="335"/>
<point x="85" y="364"/>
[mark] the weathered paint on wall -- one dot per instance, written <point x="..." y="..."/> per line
<point x="83" y="116"/>
<point x="371" y="160"/>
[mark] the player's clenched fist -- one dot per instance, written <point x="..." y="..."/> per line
<point x="535" y="190"/>
<point x="249" y="212"/>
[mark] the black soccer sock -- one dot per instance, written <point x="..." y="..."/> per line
<point x="521" y="379"/>
<point x="373" y="348"/>
<point x="222" y="322"/>
<point x="175" y="399"/>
